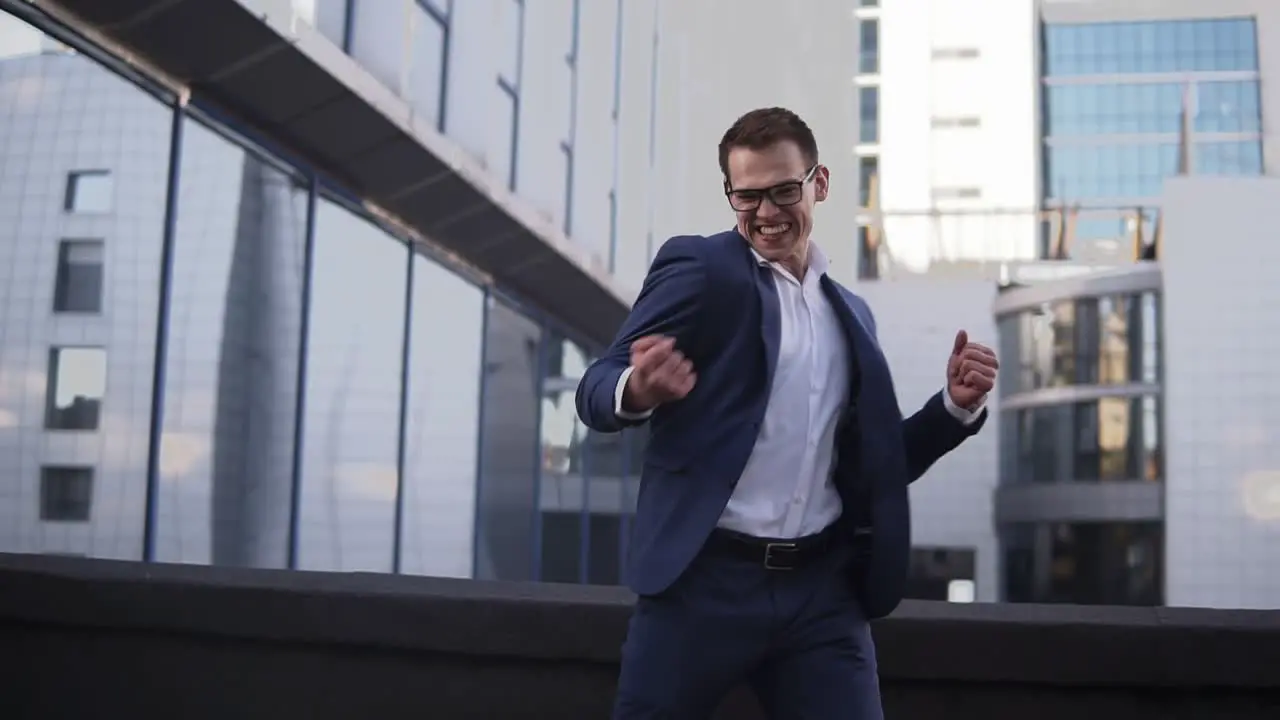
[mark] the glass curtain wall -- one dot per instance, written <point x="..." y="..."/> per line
<point x="210" y="356"/>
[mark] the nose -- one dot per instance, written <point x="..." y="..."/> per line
<point x="766" y="209"/>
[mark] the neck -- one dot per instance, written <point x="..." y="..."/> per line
<point x="797" y="266"/>
<point x="798" y="263"/>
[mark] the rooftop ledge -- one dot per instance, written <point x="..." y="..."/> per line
<point x="324" y="644"/>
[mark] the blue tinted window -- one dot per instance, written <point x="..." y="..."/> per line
<point x="1133" y="108"/>
<point x="869" y="52"/>
<point x="1085" y="171"/>
<point x="869" y="114"/>
<point x="1150" y="47"/>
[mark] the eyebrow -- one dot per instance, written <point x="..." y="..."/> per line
<point x="804" y="174"/>
<point x="788" y="181"/>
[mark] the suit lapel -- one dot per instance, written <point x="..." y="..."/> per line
<point x="861" y="346"/>
<point x="770" y="320"/>
<point x="875" y="388"/>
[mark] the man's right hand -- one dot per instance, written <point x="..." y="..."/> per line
<point x="660" y="374"/>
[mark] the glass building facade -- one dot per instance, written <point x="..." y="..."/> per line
<point x="212" y="354"/>
<point x="1127" y="104"/>
<point x="1081" y="449"/>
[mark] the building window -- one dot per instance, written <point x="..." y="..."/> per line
<point x="76" y="383"/>
<point x="1084" y="563"/>
<point x="66" y="493"/>
<point x="1156" y="46"/>
<point x="869" y="114"/>
<point x="957" y="193"/>
<point x="566" y="147"/>
<point x="868" y="253"/>
<point x="955" y="53"/>
<point x="510" y="74"/>
<point x="1111" y="439"/>
<point x="942" y="573"/>
<point x="955" y="122"/>
<point x="869" y="47"/>
<point x="89" y="191"/>
<point x="868" y="167"/>
<point x="78" y="285"/>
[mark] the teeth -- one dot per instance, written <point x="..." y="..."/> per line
<point x="775" y="229"/>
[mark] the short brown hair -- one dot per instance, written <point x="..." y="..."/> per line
<point x="764" y="127"/>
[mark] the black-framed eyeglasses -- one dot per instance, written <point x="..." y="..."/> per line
<point x="781" y="195"/>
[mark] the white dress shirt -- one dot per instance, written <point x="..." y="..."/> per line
<point x="786" y="490"/>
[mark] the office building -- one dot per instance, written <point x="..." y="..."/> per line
<point x="317" y="294"/>
<point x="947" y="111"/>
<point x="1114" y="489"/>
<point x="1028" y="147"/>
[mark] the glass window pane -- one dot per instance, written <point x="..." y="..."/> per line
<point x="378" y="38"/>
<point x="606" y="457"/>
<point x="442" y="436"/>
<point x="1111" y="439"/>
<point x="504" y="137"/>
<point x="1107" y="340"/>
<point x="508" y="45"/>
<point x="869" y="47"/>
<point x="868" y="166"/>
<point x="77" y="381"/>
<point x="89" y="191"/>
<point x="236" y="324"/>
<point x="509" y="446"/>
<point x="426" y="66"/>
<point x="869" y="114"/>
<point x="331" y="19"/>
<point x="566" y="466"/>
<point x="1088" y="563"/>
<point x="66" y="494"/>
<point x="78" y="285"/>
<point x="1150" y="47"/>
<point x="351" y="436"/>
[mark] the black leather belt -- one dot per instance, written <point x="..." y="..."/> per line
<point x="772" y="554"/>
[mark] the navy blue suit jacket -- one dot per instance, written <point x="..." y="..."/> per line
<point x="721" y="306"/>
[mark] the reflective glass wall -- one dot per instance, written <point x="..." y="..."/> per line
<point x="210" y="355"/>
<point x="1079" y="507"/>
<point x="1127" y="104"/>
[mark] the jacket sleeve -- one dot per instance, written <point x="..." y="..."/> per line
<point x="669" y="303"/>
<point x="931" y="431"/>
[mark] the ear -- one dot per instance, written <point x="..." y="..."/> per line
<point x="821" y="183"/>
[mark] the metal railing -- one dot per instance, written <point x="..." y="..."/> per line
<point x="896" y="241"/>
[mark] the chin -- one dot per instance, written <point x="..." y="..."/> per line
<point x="773" y="246"/>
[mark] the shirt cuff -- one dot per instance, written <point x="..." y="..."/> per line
<point x="617" y="399"/>
<point x="966" y="417"/>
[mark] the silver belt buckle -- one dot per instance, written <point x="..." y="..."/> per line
<point x="778" y="547"/>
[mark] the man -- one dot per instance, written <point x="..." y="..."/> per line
<point x="772" y="519"/>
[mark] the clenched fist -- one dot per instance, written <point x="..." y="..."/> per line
<point x="971" y="371"/>
<point x="662" y="374"/>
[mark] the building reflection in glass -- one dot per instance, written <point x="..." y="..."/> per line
<point x="1108" y="439"/>
<point x="500" y="479"/>
<point x="351" y="436"/>
<point x="85" y="158"/>
<point x="1087" y="563"/>
<point x="1109" y="340"/>
<point x="235" y="330"/>
<point x="566" y="464"/>
<point x="506" y="547"/>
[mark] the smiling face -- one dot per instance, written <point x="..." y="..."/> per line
<point x="773" y="191"/>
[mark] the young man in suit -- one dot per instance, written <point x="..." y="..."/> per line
<point x="772" y="520"/>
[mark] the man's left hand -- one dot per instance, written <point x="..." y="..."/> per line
<point x="971" y="372"/>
